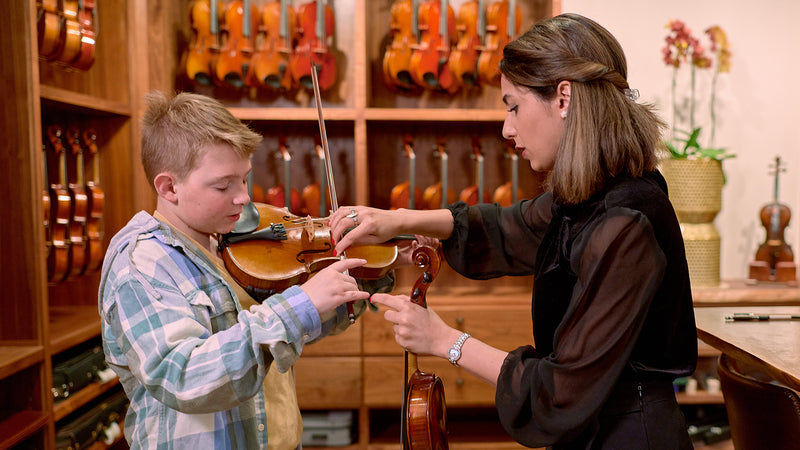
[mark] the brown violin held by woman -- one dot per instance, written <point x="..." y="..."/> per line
<point x="774" y="258"/>
<point x="424" y="421"/>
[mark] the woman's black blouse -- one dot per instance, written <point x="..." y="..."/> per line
<point x="611" y="299"/>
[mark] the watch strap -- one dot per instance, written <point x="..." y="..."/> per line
<point x="456" y="349"/>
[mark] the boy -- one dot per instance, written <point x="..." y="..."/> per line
<point x="191" y="359"/>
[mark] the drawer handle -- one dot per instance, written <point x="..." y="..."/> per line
<point x="459" y="321"/>
<point x="459" y="381"/>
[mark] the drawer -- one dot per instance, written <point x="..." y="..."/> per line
<point x="346" y="343"/>
<point x="328" y="382"/>
<point x="383" y="382"/>
<point x="505" y="326"/>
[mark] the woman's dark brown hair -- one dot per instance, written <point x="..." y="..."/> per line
<point x="606" y="133"/>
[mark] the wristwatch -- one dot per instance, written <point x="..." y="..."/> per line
<point x="454" y="354"/>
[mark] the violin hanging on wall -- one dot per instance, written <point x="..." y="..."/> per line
<point x="316" y="25"/>
<point x="471" y="26"/>
<point x="503" y="22"/>
<point x="80" y="206"/>
<point x="774" y="259"/>
<point x="509" y="192"/>
<point x="430" y="59"/>
<point x="60" y="206"/>
<point x="439" y="195"/>
<point x="476" y="193"/>
<point x="284" y="195"/>
<point x="204" y="17"/>
<point x="404" y="28"/>
<point x="407" y="194"/>
<point x="278" y="34"/>
<point x="96" y="196"/>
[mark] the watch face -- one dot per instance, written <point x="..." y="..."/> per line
<point x="454" y="354"/>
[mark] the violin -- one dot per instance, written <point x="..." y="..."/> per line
<point x="271" y="61"/>
<point x="404" y="28"/>
<point x="233" y="62"/>
<point x="80" y="207"/>
<point x="509" y="192"/>
<point x="70" y="32"/>
<point x="87" y="19"/>
<point x="46" y="203"/>
<point x="503" y="23"/>
<point x="439" y="195"/>
<point x="283" y="195"/>
<point x="316" y="25"/>
<point x="775" y="218"/>
<point x="476" y="193"/>
<point x="286" y="250"/>
<point x="429" y="61"/>
<point x="424" y="413"/>
<point x="471" y="26"/>
<point x="314" y="201"/>
<point x="49" y="28"/>
<point x="61" y="204"/>
<point x="96" y="196"/>
<point x="402" y="196"/>
<point x="204" y="16"/>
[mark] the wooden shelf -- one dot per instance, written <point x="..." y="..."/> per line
<point x="700" y="398"/>
<point x="435" y="114"/>
<point x="71" y="325"/>
<point x="81" y="397"/>
<point x="740" y="293"/>
<point x="18" y="427"/>
<point x="16" y="358"/>
<point x="292" y="114"/>
<point x="87" y="102"/>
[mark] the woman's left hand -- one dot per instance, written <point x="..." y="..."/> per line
<point x="416" y="329"/>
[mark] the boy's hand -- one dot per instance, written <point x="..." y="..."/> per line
<point x="331" y="287"/>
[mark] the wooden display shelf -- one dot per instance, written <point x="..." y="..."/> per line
<point x="292" y="114"/>
<point x="14" y="358"/>
<point x="20" y="426"/>
<point x="88" y="102"/>
<point x="71" y="325"/>
<point x="435" y="114"/>
<point x="62" y="408"/>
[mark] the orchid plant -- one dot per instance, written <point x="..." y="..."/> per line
<point x="683" y="48"/>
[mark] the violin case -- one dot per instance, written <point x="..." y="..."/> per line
<point x="327" y="428"/>
<point x="98" y="421"/>
<point x="74" y="370"/>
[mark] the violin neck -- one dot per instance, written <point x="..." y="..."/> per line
<point x="287" y="181"/>
<point x="512" y="18"/>
<point x="514" y="178"/>
<point x="412" y="180"/>
<point x="479" y="170"/>
<point x="444" y="179"/>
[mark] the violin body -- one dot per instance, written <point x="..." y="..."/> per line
<point x="271" y="61"/>
<point x="429" y="61"/>
<point x="70" y="32"/>
<point x="503" y="21"/>
<point x="49" y="28"/>
<point x="60" y="206"/>
<point x="397" y="58"/>
<point x="86" y="20"/>
<point x="464" y="59"/>
<point x="775" y="218"/>
<point x="79" y="210"/>
<point x="204" y="17"/>
<point x="316" y="24"/>
<point x="96" y="196"/>
<point x="262" y="265"/>
<point x="233" y="62"/>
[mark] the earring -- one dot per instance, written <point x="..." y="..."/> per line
<point x="564" y="114"/>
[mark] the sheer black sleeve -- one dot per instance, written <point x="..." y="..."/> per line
<point x="543" y="399"/>
<point x="490" y="241"/>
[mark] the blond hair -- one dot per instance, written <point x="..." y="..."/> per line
<point x="606" y="134"/>
<point x="174" y="132"/>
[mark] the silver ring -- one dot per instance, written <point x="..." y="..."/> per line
<point x="355" y="220"/>
<point x="353" y="214"/>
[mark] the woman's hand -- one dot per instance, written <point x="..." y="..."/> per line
<point x="366" y="226"/>
<point x="332" y="287"/>
<point x="406" y="247"/>
<point x="417" y="329"/>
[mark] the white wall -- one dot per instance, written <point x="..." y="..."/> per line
<point x="757" y="114"/>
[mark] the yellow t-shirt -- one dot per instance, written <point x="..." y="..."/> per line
<point x="284" y="422"/>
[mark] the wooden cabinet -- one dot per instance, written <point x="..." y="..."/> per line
<point x="42" y="319"/>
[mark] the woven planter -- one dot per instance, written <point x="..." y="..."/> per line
<point x="695" y="190"/>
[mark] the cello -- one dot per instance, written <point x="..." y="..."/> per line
<point x="233" y="62"/>
<point x="476" y="193"/>
<point x="407" y="194"/>
<point x="439" y="195"/>
<point x="204" y="16"/>
<point x="316" y="25"/>
<point x="283" y="195"/>
<point x="471" y="25"/>
<point x="774" y="258"/>
<point x="404" y="28"/>
<point x="429" y="61"/>
<point x="271" y="61"/>
<point x="503" y="22"/>
<point x="424" y="413"/>
<point x="509" y="192"/>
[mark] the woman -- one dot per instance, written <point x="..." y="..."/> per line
<point x="613" y="323"/>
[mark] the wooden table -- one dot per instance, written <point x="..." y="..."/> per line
<point x="772" y="345"/>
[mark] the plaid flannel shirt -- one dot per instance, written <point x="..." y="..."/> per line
<point x="191" y="361"/>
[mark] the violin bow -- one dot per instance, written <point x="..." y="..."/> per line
<point x="328" y="165"/>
